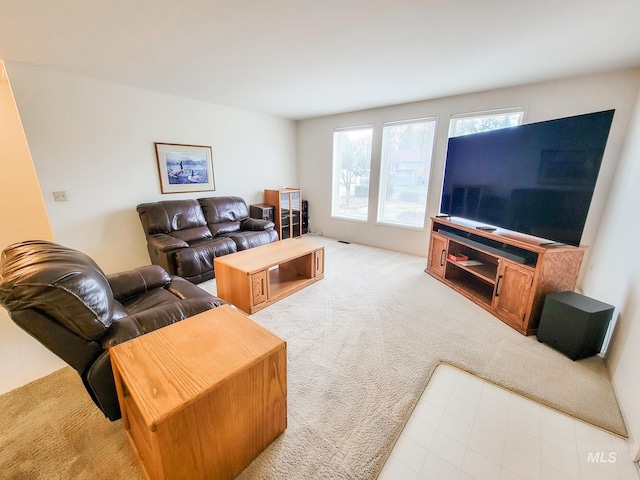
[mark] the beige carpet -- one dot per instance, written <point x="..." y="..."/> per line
<point x="362" y="345"/>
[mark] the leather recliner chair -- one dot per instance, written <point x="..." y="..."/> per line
<point x="62" y="298"/>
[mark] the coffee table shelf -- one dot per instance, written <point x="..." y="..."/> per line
<point x="281" y="281"/>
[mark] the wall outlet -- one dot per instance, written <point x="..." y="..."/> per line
<point x="60" y="196"/>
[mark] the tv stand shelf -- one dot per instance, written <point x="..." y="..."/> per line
<point x="483" y="272"/>
<point x="512" y="272"/>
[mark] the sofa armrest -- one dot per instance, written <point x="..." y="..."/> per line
<point x="184" y="289"/>
<point x="127" y="284"/>
<point x="166" y="243"/>
<point x="137" y="324"/>
<point x="256" y="224"/>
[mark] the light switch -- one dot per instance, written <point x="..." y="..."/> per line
<point x="60" y="196"/>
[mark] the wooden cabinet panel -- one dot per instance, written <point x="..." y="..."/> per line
<point x="318" y="260"/>
<point x="259" y="287"/>
<point x="437" y="254"/>
<point x="511" y="297"/>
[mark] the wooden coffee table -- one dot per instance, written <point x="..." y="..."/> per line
<point x="255" y="278"/>
<point x="203" y="397"/>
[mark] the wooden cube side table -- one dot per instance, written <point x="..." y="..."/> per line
<point x="203" y="397"/>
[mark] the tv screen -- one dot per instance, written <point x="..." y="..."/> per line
<point x="536" y="178"/>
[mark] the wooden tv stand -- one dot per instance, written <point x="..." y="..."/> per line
<point x="515" y="271"/>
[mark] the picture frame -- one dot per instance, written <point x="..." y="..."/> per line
<point x="185" y="168"/>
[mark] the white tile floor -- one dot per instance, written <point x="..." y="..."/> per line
<point x="464" y="428"/>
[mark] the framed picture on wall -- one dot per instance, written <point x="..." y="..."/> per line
<point x="185" y="168"/>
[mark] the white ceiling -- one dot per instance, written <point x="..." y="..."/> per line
<point x="305" y="58"/>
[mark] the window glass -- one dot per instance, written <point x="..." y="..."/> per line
<point x="468" y="123"/>
<point x="407" y="150"/>
<point x="351" y="170"/>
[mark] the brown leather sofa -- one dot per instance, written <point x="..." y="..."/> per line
<point x="184" y="236"/>
<point x="62" y="298"/>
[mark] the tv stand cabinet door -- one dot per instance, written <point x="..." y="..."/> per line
<point x="437" y="259"/>
<point x="259" y="288"/>
<point x="318" y="260"/>
<point x="511" y="297"/>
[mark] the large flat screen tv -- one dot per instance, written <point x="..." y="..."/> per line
<point x="536" y="178"/>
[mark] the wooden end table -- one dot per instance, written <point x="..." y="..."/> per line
<point x="203" y="397"/>
<point x="255" y="278"/>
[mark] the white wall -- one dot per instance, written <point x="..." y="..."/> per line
<point x="614" y="278"/>
<point x="541" y="102"/>
<point x="22" y="215"/>
<point x="22" y="208"/>
<point x="95" y="140"/>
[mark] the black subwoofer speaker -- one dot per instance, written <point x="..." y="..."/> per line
<point x="574" y="324"/>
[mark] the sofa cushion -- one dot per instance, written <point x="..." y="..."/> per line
<point x="224" y="227"/>
<point x="246" y="239"/>
<point x="62" y="282"/>
<point x="197" y="260"/>
<point x="170" y="215"/>
<point x="223" y="209"/>
<point x="192" y="235"/>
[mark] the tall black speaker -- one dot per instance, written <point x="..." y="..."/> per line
<point x="305" y="216"/>
<point x="574" y="324"/>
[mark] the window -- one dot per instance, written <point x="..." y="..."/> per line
<point x="351" y="169"/>
<point x="467" y="123"/>
<point x="407" y="149"/>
